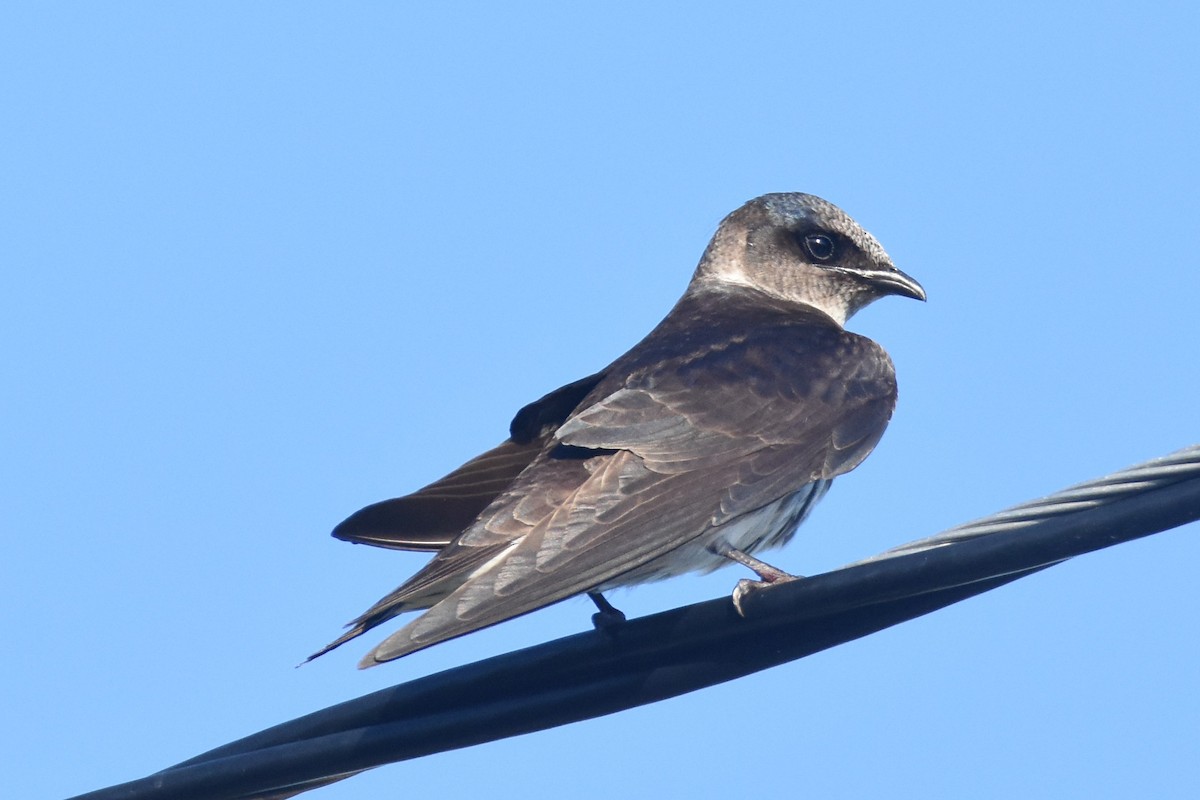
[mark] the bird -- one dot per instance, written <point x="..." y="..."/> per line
<point x="707" y="442"/>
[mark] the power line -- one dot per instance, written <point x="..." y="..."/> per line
<point x="663" y="655"/>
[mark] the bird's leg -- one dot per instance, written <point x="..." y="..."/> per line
<point x="766" y="573"/>
<point x="607" y="614"/>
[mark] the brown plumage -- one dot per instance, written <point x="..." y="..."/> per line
<point x="718" y="431"/>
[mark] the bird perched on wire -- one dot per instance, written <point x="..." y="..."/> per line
<point x="709" y="441"/>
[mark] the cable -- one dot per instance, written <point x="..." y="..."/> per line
<point x="667" y="654"/>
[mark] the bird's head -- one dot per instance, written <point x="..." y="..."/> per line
<point x="803" y="249"/>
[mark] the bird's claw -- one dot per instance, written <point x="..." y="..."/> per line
<point x="608" y="616"/>
<point x="603" y="620"/>
<point x="767" y="574"/>
<point x="746" y="587"/>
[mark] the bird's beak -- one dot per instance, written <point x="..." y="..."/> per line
<point x="893" y="281"/>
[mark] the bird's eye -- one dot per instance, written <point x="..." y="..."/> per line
<point x="819" y="246"/>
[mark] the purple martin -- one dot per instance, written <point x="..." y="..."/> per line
<point x="709" y="441"/>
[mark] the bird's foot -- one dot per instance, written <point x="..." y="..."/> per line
<point x="746" y="587"/>
<point x="608" y="616"/>
<point x="767" y="574"/>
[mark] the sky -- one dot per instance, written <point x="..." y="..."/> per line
<point x="264" y="264"/>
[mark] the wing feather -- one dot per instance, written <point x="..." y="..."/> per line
<point x="430" y="518"/>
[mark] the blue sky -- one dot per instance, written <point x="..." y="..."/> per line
<point x="266" y="264"/>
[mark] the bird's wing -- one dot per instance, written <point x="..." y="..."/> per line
<point x="732" y="421"/>
<point x="430" y="518"/>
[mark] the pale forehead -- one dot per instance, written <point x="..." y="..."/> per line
<point x="788" y="208"/>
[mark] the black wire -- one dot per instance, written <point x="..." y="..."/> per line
<point x="655" y="657"/>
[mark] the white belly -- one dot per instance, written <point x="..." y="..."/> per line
<point x="770" y="526"/>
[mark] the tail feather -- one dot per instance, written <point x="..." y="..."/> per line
<point x="430" y="518"/>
